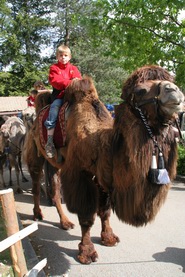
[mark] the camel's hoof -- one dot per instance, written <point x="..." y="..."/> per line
<point x="87" y="253"/>
<point x="67" y="225"/>
<point x="37" y="215"/>
<point x="109" y="238"/>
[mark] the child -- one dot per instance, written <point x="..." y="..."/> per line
<point x="31" y="98"/>
<point x="60" y="76"/>
<point x="39" y="86"/>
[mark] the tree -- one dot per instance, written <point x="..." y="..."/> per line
<point x="31" y="27"/>
<point x="23" y="32"/>
<point x="142" y="32"/>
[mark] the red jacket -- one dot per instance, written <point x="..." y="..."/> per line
<point x="31" y="101"/>
<point x="60" y="76"/>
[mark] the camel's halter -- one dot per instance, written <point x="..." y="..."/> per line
<point x="157" y="173"/>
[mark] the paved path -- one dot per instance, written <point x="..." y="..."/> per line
<point x="157" y="250"/>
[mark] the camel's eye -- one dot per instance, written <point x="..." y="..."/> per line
<point x="140" y="92"/>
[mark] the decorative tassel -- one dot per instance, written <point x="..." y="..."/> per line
<point x="158" y="175"/>
<point x="160" y="161"/>
<point x="163" y="177"/>
<point x="153" y="172"/>
<point x="154" y="161"/>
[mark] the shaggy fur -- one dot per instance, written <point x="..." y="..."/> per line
<point x="106" y="165"/>
<point x="143" y="74"/>
<point x="119" y="159"/>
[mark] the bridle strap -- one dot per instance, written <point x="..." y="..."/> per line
<point x="148" y="101"/>
<point x="153" y="100"/>
<point x="147" y="127"/>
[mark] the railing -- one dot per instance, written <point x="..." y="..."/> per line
<point x="15" y="236"/>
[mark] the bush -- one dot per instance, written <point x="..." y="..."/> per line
<point x="181" y="160"/>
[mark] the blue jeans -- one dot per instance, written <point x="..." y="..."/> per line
<point x="50" y="122"/>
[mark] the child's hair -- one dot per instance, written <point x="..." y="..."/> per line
<point x="39" y="85"/>
<point x="34" y="92"/>
<point x="63" y="49"/>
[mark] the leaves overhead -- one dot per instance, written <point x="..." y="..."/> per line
<point x="108" y="39"/>
<point x="144" y="32"/>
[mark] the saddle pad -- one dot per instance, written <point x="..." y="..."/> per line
<point x="59" y="136"/>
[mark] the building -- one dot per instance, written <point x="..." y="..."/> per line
<point x="12" y="105"/>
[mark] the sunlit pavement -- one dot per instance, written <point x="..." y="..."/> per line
<point x="156" y="250"/>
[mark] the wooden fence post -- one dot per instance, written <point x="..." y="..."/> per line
<point x="12" y="227"/>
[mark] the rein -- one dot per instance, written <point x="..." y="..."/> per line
<point x="148" y="128"/>
<point x="157" y="173"/>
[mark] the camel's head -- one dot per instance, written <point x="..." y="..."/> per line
<point x="157" y="99"/>
<point x="4" y="139"/>
<point x="144" y="74"/>
<point x="5" y="131"/>
<point x="81" y="89"/>
<point x="29" y="116"/>
<point x="12" y="127"/>
<point x="43" y="99"/>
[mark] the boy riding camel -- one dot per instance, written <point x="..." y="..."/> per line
<point x="60" y="76"/>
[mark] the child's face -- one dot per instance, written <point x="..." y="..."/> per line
<point x="63" y="57"/>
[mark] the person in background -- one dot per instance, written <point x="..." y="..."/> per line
<point x="31" y="98"/>
<point x="61" y="75"/>
<point x="38" y="87"/>
<point x="110" y="108"/>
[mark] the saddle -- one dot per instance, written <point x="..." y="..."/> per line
<point x="59" y="136"/>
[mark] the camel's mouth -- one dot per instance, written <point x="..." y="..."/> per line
<point x="176" y="104"/>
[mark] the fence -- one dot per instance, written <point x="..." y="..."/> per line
<point x="15" y="236"/>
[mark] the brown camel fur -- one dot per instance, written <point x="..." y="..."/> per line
<point x="107" y="165"/>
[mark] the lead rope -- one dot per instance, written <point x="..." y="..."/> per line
<point x="157" y="174"/>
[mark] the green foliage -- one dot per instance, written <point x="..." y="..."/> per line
<point x="108" y="39"/>
<point x="106" y="71"/>
<point x="143" y="32"/>
<point x="13" y="84"/>
<point x="181" y="160"/>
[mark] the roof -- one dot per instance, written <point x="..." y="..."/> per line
<point x="13" y="104"/>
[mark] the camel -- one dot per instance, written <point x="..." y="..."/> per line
<point x="40" y="163"/>
<point x="12" y="135"/>
<point x="28" y="117"/>
<point x="111" y="164"/>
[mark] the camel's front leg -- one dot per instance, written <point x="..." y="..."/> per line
<point x="108" y="238"/>
<point x="24" y="179"/>
<point x="87" y="252"/>
<point x="65" y="223"/>
<point x="17" y="172"/>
